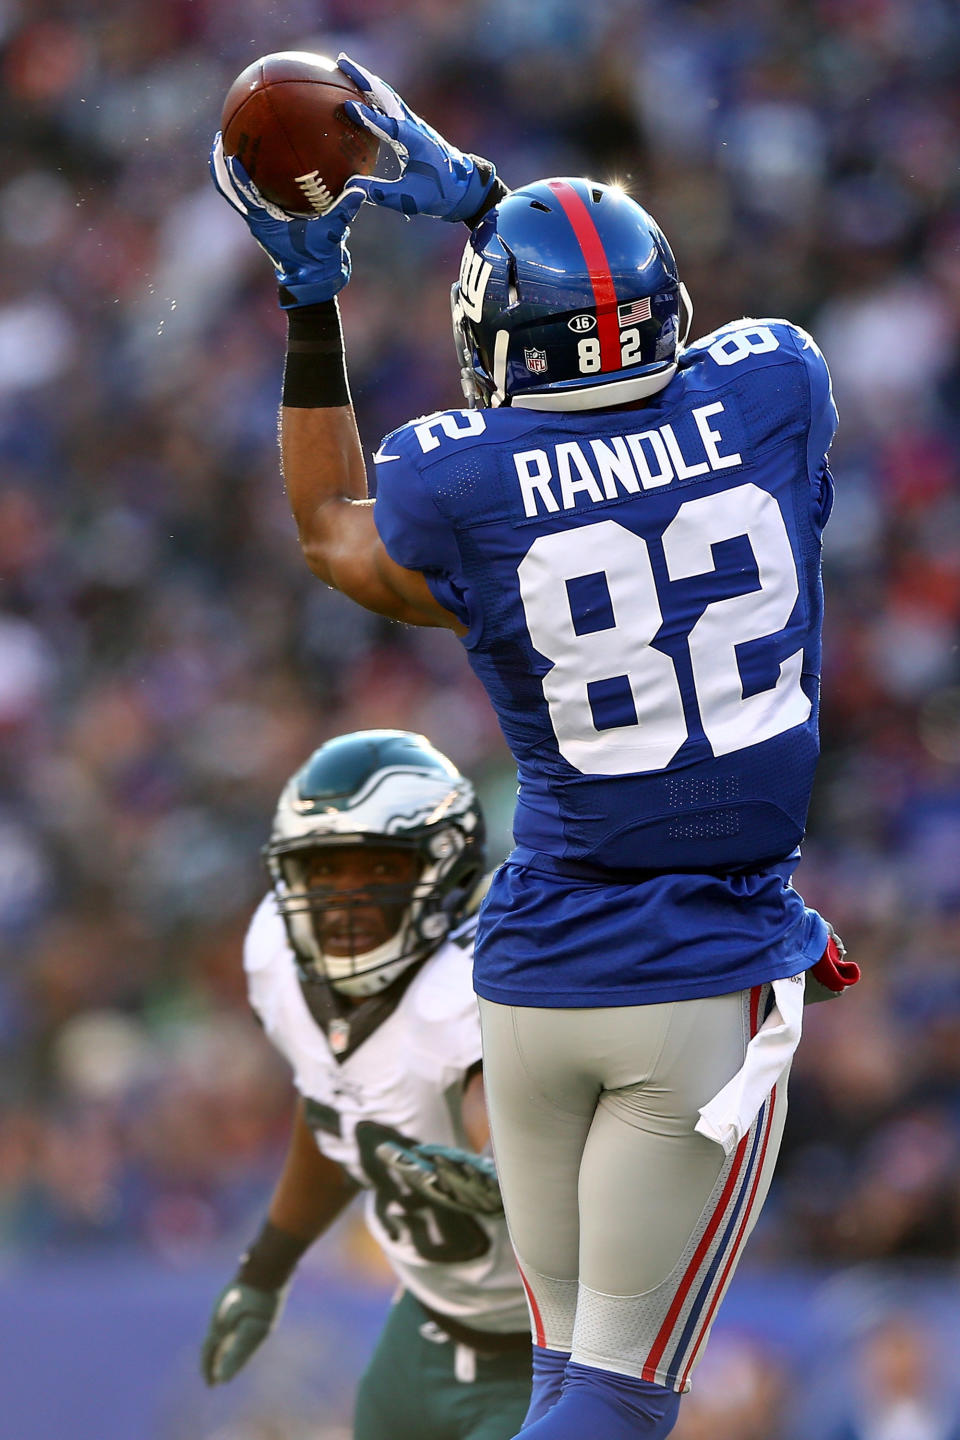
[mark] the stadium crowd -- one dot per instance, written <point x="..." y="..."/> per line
<point x="166" y="659"/>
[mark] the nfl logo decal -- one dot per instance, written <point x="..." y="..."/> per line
<point x="338" y="1034"/>
<point x="535" y="361"/>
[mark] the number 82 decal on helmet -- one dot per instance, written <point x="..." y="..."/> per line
<point x="600" y="325"/>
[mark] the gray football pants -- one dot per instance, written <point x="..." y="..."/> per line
<point x="627" y="1225"/>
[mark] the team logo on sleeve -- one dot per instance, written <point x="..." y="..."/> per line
<point x="535" y="361"/>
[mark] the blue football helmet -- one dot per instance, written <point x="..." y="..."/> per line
<point x="568" y="299"/>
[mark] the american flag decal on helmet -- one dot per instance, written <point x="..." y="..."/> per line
<point x="634" y="311"/>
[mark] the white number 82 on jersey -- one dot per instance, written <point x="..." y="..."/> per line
<point x="731" y="721"/>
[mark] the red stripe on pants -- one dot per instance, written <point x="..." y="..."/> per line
<point x="666" y="1329"/>
<point x="538" y="1331"/>
<point x="738" y="1242"/>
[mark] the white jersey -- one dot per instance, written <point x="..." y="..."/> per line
<point x="403" y="1083"/>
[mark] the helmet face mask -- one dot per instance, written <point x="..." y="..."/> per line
<point x="568" y="299"/>
<point x="377" y="843"/>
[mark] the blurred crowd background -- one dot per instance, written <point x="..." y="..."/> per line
<point x="166" y="659"/>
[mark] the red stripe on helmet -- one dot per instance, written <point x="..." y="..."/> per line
<point x="598" y="268"/>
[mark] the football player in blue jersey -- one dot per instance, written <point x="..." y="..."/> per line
<point x="624" y="531"/>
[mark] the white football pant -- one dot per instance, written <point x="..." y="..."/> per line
<point x="627" y="1224"/>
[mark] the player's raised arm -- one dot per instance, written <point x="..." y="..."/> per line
<point x="326" y="483"/>
<point x="323" y="461"/>
<point x="318" y="429"/>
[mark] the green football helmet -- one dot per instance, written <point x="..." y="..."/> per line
<point x="375" y="788"/>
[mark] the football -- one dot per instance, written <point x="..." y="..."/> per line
<point x="283" y="119"/>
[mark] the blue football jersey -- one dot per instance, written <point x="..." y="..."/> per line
<point x="641" y="591"/>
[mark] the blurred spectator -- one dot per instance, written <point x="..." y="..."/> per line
<point x="897" y="1393"/>
<point x="740" y="1393"/>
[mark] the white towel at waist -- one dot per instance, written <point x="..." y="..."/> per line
<point x="728" y="1116"/>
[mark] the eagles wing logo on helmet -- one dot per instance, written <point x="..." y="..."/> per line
<point x="376" y="788"/>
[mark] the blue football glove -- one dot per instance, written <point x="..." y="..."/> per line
<point x="456" y="1179"/>
<point x="437" y="179"/>
<point x="309" y="256"/>
<point x="242" y="1319"/>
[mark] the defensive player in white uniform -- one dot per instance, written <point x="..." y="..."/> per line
<point x="624" y="531"/>
<point x="358" y="964"/>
